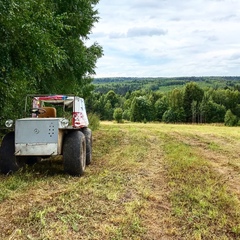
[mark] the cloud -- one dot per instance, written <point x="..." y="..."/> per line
<point x="134" y="32"/>
<point x="150" y="4"/>
<point x="235" y="56"/>
<point x="212" y="38"/>
<point x="168" y="37"/>
<point x="116" y="35"/>
<point x="143" y="31"/>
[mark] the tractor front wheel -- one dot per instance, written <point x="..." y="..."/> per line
<point x="74" y="153"/>
<point x="8" y="161"/>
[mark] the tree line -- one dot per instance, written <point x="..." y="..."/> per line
<point x="190" y="104"/>
<point x="121" y="85"/>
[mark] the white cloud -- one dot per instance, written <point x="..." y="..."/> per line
<point x="168" y="38"/>
<point x="145" y="31"/>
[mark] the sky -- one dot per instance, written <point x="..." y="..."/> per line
<point x="168" y="38"/>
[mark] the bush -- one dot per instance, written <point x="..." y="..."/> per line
<point x="118" y="114"/>
<point x="174" y="115"/>
<point x="230" y="119"/>
<point x="94" y="121"/>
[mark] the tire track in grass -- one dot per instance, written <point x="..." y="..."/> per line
<point x="203" y="206"/>
<point x="141" y="159"/>
<point x="159" y="222"/>
<point x="221" y="152"/>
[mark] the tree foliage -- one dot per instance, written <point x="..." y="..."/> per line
<point x="118" y="114"/>
<point x="230" y="119"/>
<point x="173" y="115"/>
<point x="207" y="105"/>
<point x="161" y="106"/>
<point x="193" y="96"/>
<point x="122" y="85"/>
<point x="43" y="48"/>
<point x="140" y="109"/>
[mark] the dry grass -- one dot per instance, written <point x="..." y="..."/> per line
<point x="147" y="181"/>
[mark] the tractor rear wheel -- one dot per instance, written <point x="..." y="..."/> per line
<point x="74" y="153"/>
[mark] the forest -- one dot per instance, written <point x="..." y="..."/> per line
<point x="187" y="100"/>
<point x="121" y="85"/>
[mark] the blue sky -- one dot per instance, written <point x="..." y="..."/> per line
<point x="168" y="38"/>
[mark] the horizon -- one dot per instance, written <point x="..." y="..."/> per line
<point x="175" y="77"/>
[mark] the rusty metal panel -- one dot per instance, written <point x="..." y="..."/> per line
<point x="36" y="149"/>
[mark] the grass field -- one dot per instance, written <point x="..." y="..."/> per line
<point x="146" y="181"/>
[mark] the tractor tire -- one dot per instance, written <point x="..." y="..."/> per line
<point x="74" y="153"/>
<point x="88" y="136"/>
<point x="8" y="161"/>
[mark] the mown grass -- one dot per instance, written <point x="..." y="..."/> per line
<point x="104" y="204"/>
<point x="146" y="181"/>
<point x="202" y="203"/>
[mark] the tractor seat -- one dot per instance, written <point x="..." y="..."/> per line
<point x="50" y="113"/>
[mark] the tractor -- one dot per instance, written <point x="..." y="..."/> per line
<point x="52" y="125"/>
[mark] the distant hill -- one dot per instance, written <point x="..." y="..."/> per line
<point x="122" y="85"/>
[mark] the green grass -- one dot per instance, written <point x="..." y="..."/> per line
<point x="146" y="181"/>
<point x="202" y="204"/>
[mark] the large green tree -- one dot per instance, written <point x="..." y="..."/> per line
<point x="43" y="48"/>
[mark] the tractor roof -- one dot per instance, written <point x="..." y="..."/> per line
<point x="66" y="100"/>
